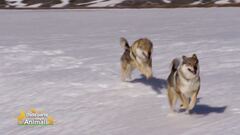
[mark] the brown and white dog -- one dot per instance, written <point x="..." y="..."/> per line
<point x="138" y="56"/>
<point x="184" y="82"/>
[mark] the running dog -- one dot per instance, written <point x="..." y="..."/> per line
<point x="138" y="56"/>
<point x="184" y="82"/>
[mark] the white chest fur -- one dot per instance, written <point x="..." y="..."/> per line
<point x="188" y="87"/>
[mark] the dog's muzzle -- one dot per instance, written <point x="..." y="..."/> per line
<point x="194" y="71"/>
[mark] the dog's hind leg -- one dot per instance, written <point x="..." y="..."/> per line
<point x="123" y="71"/>
<point x="172" y="99"/>
<point x="129" y="71"/>
<point x="126" y="72"/>
<point x="123" y="75"/>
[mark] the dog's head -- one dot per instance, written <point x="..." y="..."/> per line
<point x="190" y="66"/>
<point x="143" y="52"/>
<point x="143" y="49"/>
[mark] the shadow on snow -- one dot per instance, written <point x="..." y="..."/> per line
<point x="156" y="83"/>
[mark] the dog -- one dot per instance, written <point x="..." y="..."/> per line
<point x="184" y="82"/>
<point x="138" y="56"/>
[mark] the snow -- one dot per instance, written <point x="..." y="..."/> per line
<point x="64" y="3"/>
<point x="167" y="1"/>
<point x="222" y="2"/>
<point x="16" y="3"/>
<point x="66" y="62"/>
<point x="103" y="3"/>
<point x="237" y="1"/>
<point x="96" y="3"/>
<point x="196" y="2"/>
<point x="35" y="5"/>
<point x="91" y="2"/>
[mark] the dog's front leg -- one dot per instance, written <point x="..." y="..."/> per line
<point x="184" y="100"/>
<point x="193" y="100"/>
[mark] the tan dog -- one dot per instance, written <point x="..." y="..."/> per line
<point x="184" y="82"/>
<point x="139" y="56"/>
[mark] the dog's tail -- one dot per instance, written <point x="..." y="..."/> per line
<point x="174" y="65"/>
<point x="124" y="43"/>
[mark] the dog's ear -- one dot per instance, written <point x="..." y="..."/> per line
<point x="194" y="56"/>
<point x="124" y="43"/>
<point x="184" y="58"/>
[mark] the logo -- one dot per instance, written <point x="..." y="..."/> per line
<point x="34" y="118"/>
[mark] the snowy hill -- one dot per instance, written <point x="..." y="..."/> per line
<point x="114" y="3"/>
<point x="67" y="63"/>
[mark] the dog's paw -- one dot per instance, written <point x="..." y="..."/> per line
<point x="190" y="111"/>
<point x="172" y="113"/>
<point x="183" y="107"/>
<point x="128" y="79"/>
<point x="181" y="110"/>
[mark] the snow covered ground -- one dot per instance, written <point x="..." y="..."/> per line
<point x="66" y="62"/>
<point x="113" y="3"/>
<point x="16" y="3"/>
<point x="103" y="3"/>
<point x="62" y="4"/>
<point x="222" y="2"/>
